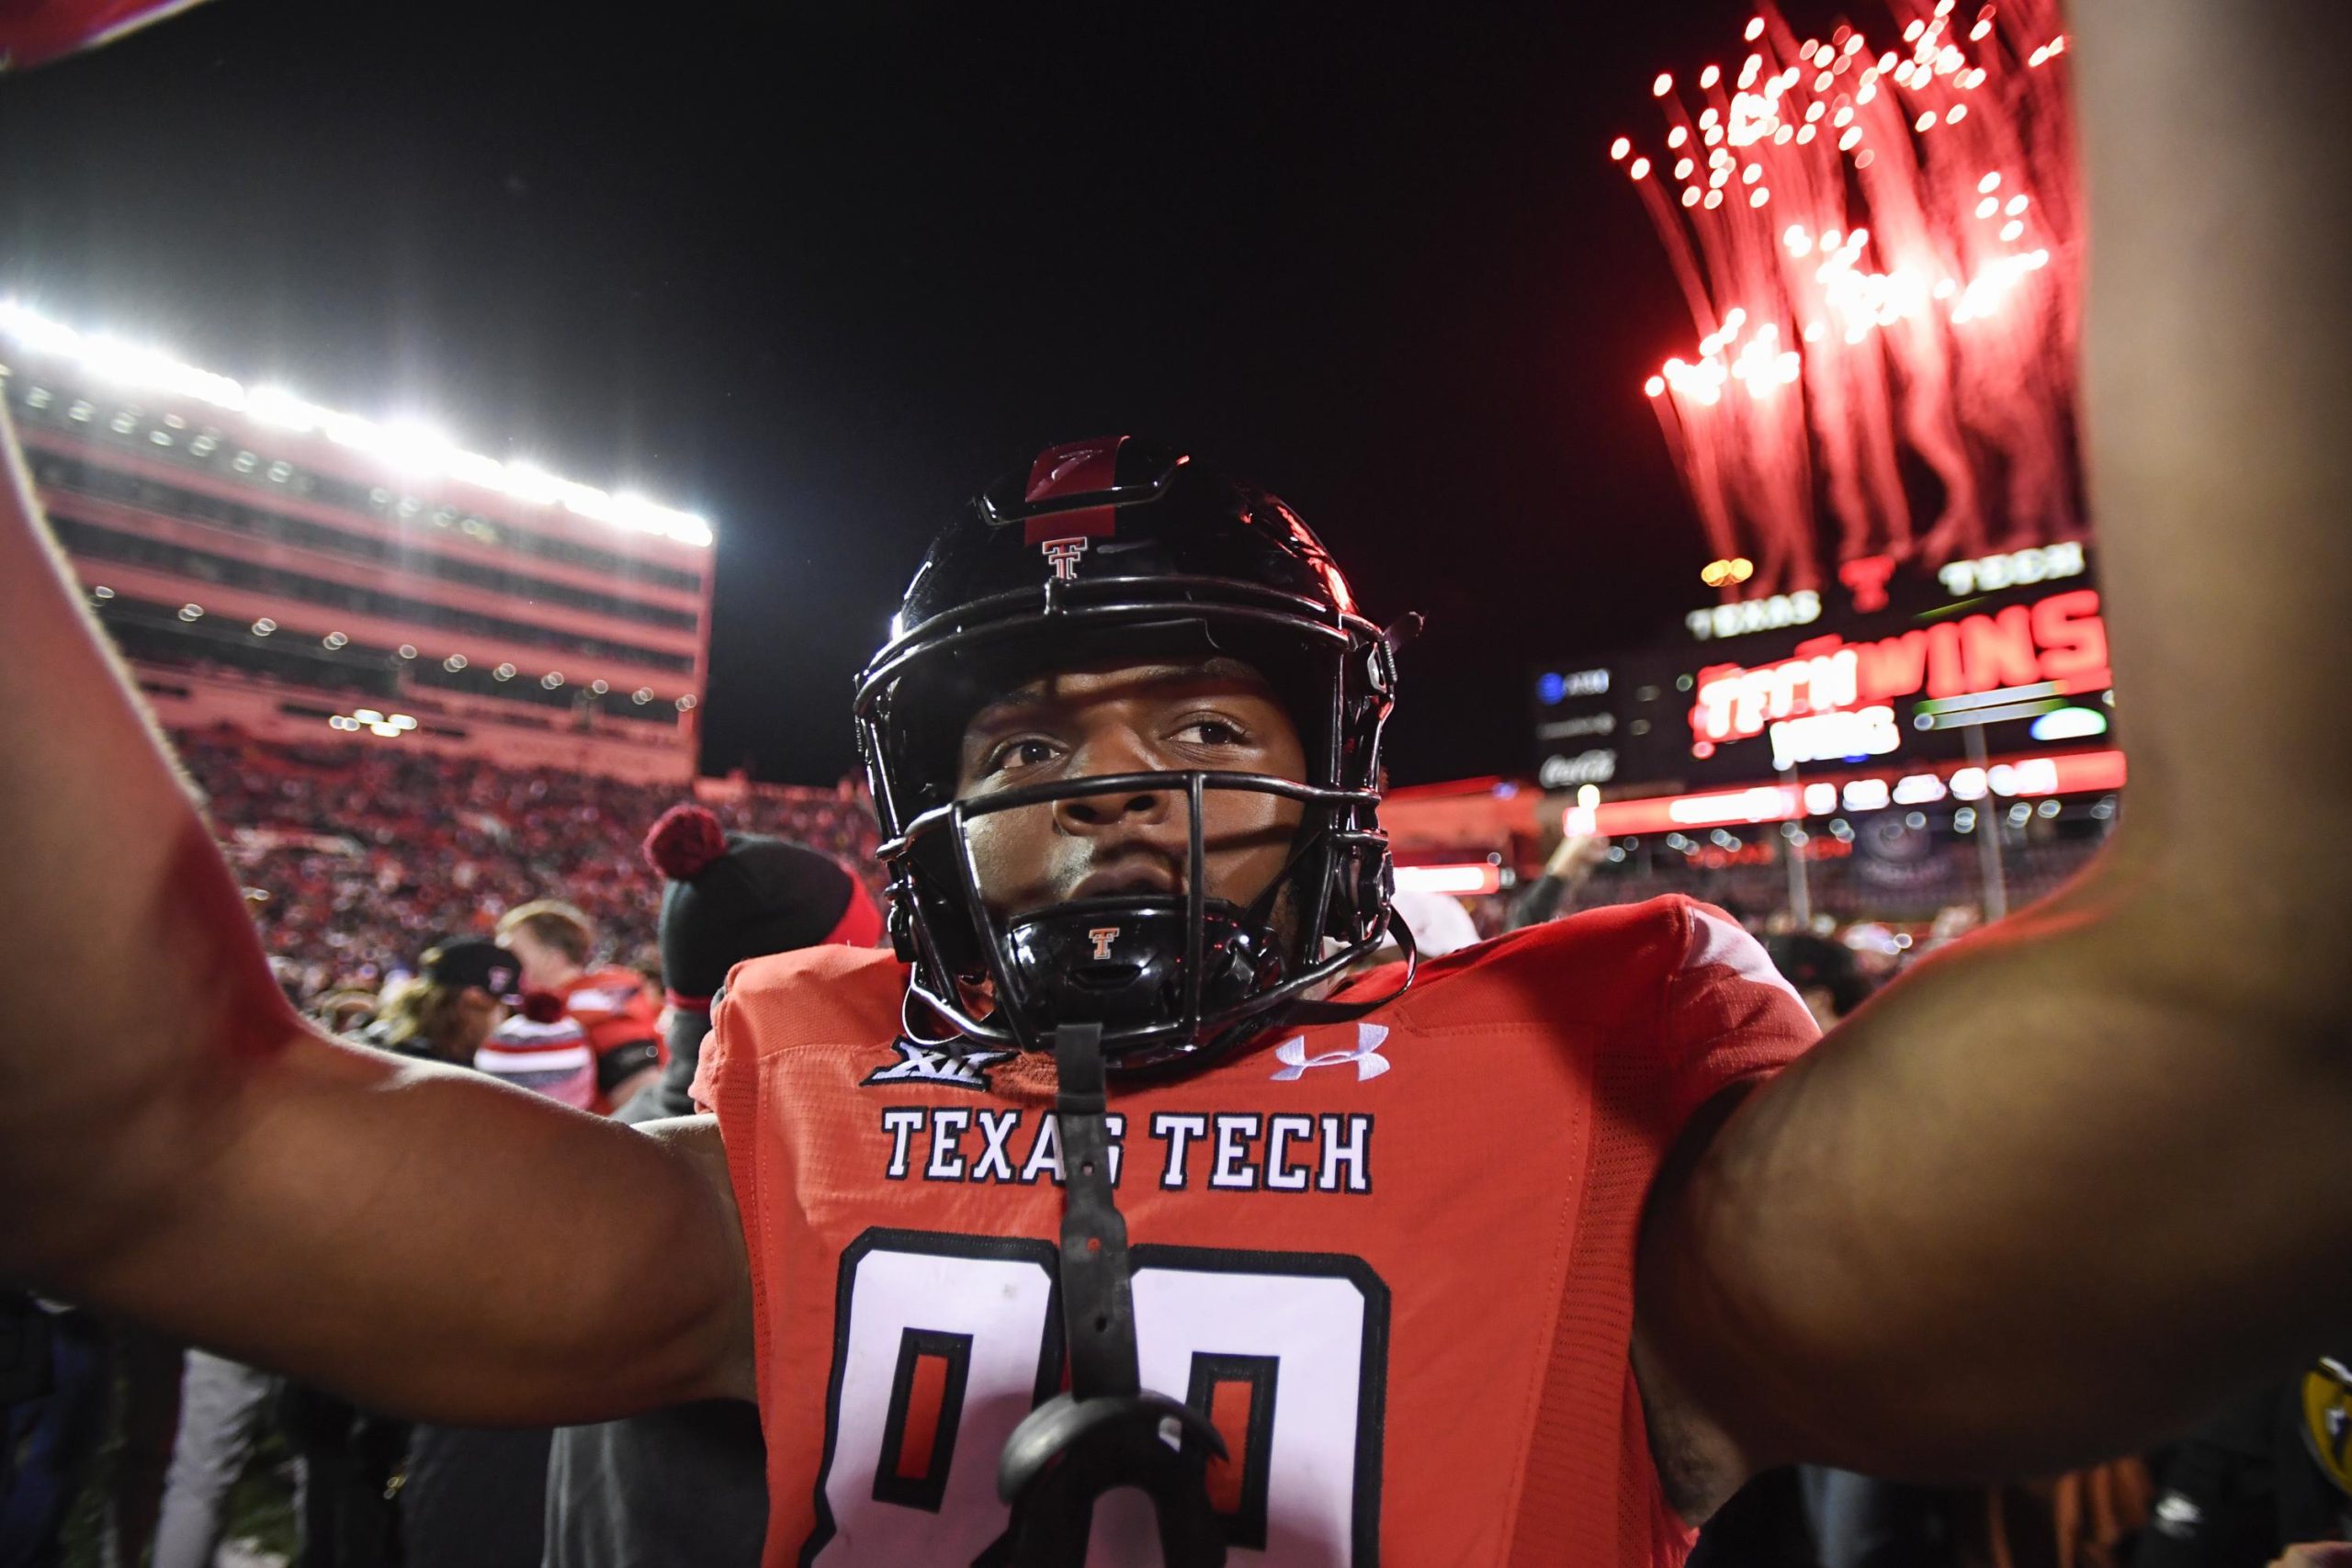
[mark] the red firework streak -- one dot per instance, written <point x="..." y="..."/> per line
<point x="33" y="31"/>
<point x="1880" y="245"/>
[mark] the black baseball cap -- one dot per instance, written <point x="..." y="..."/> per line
<point x="471" y="963"/>
<point x="1808" y="961"/>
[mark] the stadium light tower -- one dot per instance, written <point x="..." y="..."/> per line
<point x="331" y="557"/>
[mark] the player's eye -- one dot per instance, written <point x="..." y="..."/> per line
<point x="1020" y="752"/>
<point x="1213" y="732"/>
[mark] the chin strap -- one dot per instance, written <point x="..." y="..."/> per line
<point x="1107" y="1431"/>
<point x="1098" y="1301"/>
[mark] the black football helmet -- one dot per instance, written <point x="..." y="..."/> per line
<point x="1108" y="549"/>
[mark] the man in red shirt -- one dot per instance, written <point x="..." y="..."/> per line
<point x="606" y="1009"/>
<point x="1530" y="1259"/>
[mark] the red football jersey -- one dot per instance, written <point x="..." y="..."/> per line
<point x="1391" y="1260"/>
<point x="611" y="1009"/>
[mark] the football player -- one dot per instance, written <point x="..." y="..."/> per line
<point x="1109" y="1175"/>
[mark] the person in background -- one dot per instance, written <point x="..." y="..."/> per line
<point x="1880" y="951"/>
<point x="2081" y="1520"/>
<point x="726" y="897"/>
<point x="1438" y="925"/>
<point x="345" y="1012"/>
<point x="464" y="993"/>
<point x="443" y="1013"/>
<point x="1551" y="895"/>
<point x="556" y="943"/>
<point x="687" y="1488"/>
<point x="645" y="963"/>
<point x="1952" y="923"/>
<point x="347" y="1459"/>
<point x="148" y="1366"/>
<point x="222" y="1404"/>
<point x="470" y="1498"/>
<point x="1825" y="972"/>
<point x="1777" y="1518"/>
<point x="54" y="1376"/>
<point x="2321" y="1554"/>
<point x="2268" y="1469"/>
<point x="542" y="1048"/>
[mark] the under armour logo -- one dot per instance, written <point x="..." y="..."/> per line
<point x="928" y="1064"/>
<point x="1369" y="1062"/>
<point x="1064" y="554"/>
<point x="1104" y="937"/>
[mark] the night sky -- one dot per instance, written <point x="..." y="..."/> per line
<point x="819" y="272"/>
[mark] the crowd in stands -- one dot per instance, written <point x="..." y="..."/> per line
<point x="355" y="858"/>
<point x="1889" y="896"/>
<point x="359" y="858"/>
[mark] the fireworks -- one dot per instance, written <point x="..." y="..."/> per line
<point x="1878" y="249"/>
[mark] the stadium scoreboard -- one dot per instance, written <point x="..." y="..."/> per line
<point x="1887" y="665"/>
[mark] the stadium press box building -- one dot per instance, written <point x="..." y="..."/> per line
<point x="307" y="575"/>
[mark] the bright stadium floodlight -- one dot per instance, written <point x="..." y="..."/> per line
<point x="277" y="406"/>
<point x="410" y="446"/>
<point x="418" y="448"/>
<point x="529" y="481"/>
<point x="36" y="331"/>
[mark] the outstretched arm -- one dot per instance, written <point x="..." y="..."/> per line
<point x="176" y="1146"/>
<point x="2076" y="1181"/>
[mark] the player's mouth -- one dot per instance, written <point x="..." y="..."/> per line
<point x="1134" y="879"/>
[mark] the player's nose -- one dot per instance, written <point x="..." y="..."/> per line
<point x="1116" y="750"/>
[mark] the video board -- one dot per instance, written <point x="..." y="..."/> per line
<point x="1887" y="665"/>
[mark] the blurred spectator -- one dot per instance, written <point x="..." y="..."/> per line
<point x="442" y="1015"/>
<point x="2085" y="1519"/>
<point x="346" y="1460"/>
<point x="345" y="1012"/>
<point x="474" y="1497"/>
<point x="726" y="897"/>
<point x="1879" y="950"/>
<point x="221" y="1406"/>
<point x="1812" y="1515"/>
<point x="1571" y="865"/>
<point x="59" y="1366"/>
<point x="1440" y="925"/>
<point x="2082" y="1519"/>
<point x="1952" y="923"/>
<point x="615" y="1026"/>
<point x="1856" y="1522"/>
<point x="1824" y="972"/>
<point x="687" y="1487"/>
<point x="545" y="1050"/>
<point x="354" y="858"/>
<point x="471" y="1498"/>
<point x="445" y="1013"/>
<point x="644" y="960"/>
<point x="2268" y="1469"/>
<point x="54" y="1373"/>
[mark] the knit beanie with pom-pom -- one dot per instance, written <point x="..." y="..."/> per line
<point x="732" y="896"/>
<point x="737" y="895"/>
